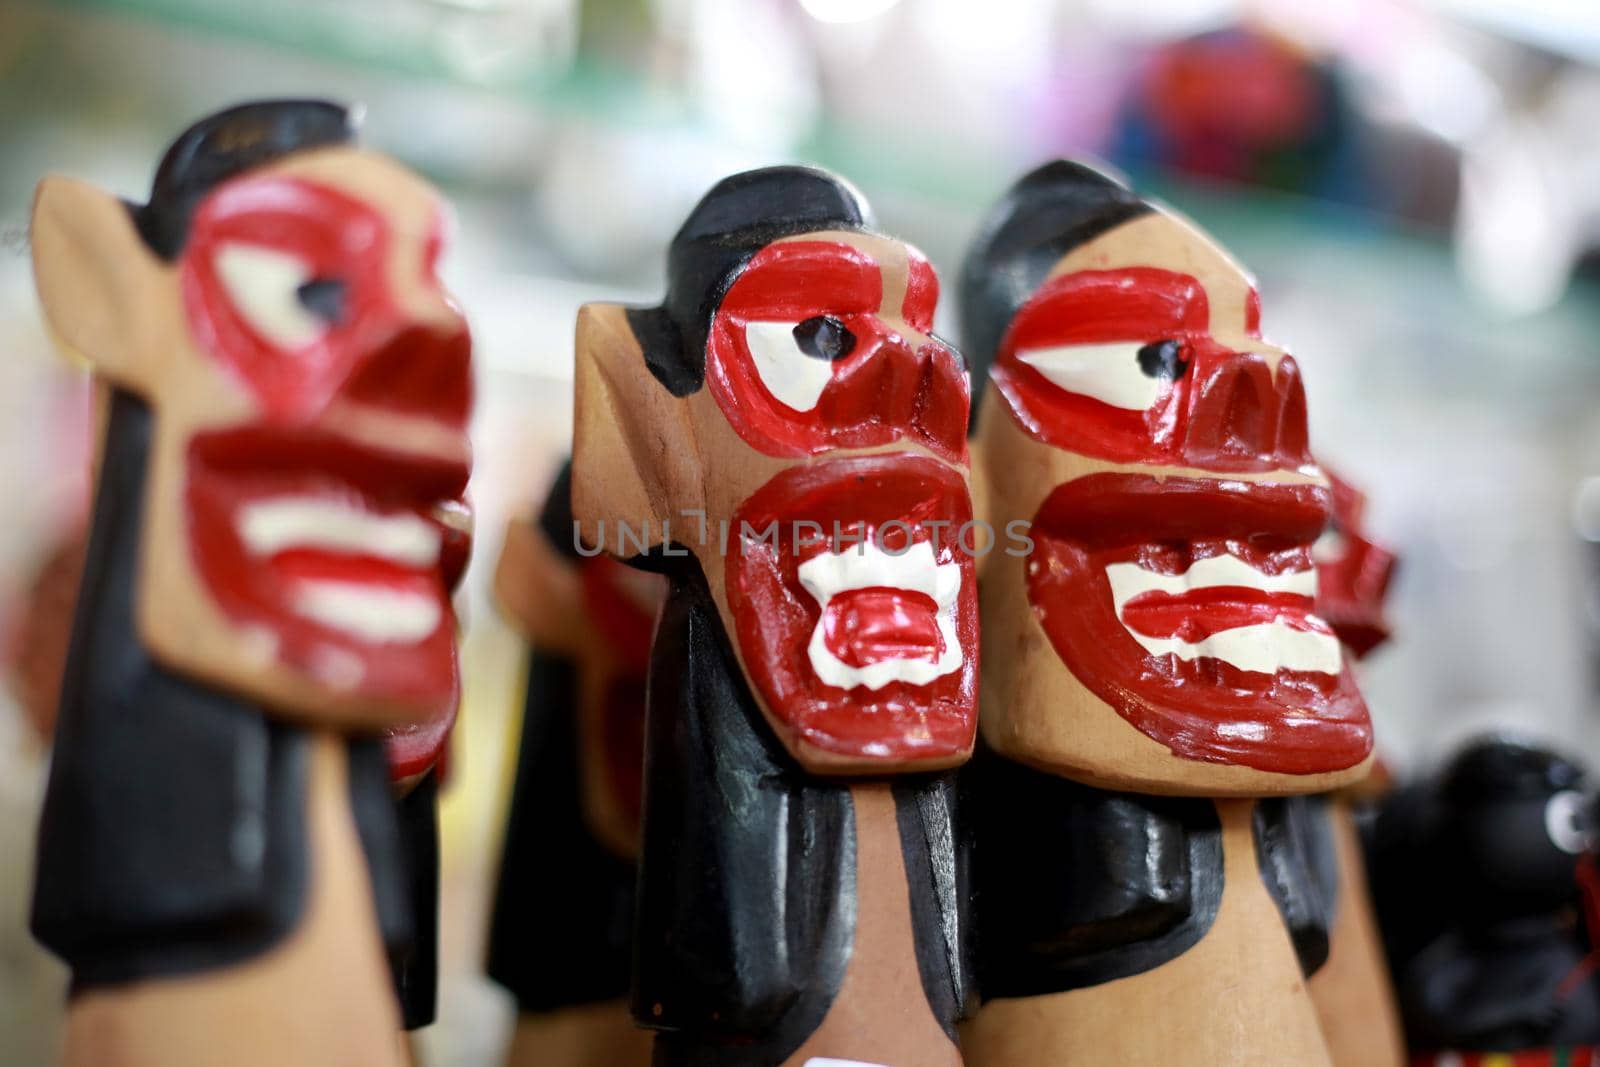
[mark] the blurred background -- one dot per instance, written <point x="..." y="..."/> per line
<point x="1416" y="185"/>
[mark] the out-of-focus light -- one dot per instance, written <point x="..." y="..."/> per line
<point x="1586" y="509"/>
<point x="846" y="10"/>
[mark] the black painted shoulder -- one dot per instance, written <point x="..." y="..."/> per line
<point x="741" y="854"/>
<point x="1076" y="886"/>
<point x="1298" y="863"/>
<point x="173" y="835"/>
<point x="938" y="872"/>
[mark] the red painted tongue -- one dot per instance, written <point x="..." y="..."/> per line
<point x="1199" y="613"/>
<point x="866" y="626"/>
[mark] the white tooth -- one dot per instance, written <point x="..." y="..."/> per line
<point x="1128" y="580"/>
<point x="269" y="526"/>
<point x="866" y="566"/>
<point x="374" y="615"/>
<point x="1265" y="647"/>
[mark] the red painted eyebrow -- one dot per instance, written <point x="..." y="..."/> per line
<point x="799" y="279"/>
<point x="1094" y="306"/>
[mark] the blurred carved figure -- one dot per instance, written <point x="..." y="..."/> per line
<point x="561" y="937"/>
<point x="276" y="530"/>
<point x="786" y="440"/>
<point x="1489" y="894"/>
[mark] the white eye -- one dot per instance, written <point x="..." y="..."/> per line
<point x="1111" y="373"/>
<point x="1566" y="823"/>
<point x="794" y="378"/>
<point x="264" y="284"/>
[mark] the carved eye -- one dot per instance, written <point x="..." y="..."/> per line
<point x="1567" y="822"/>
<point x="795" y="360"/>
<point x="1124" y="374"/>
<point x="265" y="287"/>
<point x="324" y="298"/>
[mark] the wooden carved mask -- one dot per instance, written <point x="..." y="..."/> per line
<point x="276" y="307"/>
<point x="1161" y="619"/>
<point x="787" y="418"/>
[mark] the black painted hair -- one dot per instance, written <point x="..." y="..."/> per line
<point x="740" y="216"/>
<point x="226" y="144"/>
<point x="1047" y="213"/>
<point x="1503" y="767"/>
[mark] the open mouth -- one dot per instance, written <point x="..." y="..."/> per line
<point x="1186" y="604"/>
<point x="342" y="555"/>
<point x="857" y="615"/>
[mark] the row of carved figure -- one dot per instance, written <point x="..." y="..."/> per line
<point x="888" y="704"/>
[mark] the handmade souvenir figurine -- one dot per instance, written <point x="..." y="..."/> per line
<point x="1352" y="991"/>
<point x="561" y="938"/>
<point x="1505" y="842"/>
<point x="277" y="525"/>
<point x="785" y="439"/>
<point x="1145" y="451"/>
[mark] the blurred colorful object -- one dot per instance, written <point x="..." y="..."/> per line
<point x="1244" y="105"/>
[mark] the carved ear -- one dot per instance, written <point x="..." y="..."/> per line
<point x="634" y="461"/>
<point x="96" y="278"/>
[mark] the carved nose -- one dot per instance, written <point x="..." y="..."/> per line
<point x="878" y="382"/>
<point x="1242" y="415"/>
<point x="418" y="371"/>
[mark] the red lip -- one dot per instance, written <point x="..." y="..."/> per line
<point x="230" y="471"/>
<point x="1288" y="721"/>
<point x="776" y="616"/>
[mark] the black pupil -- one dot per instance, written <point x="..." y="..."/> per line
<point x="324" y="298"/>
<point x="1163" y="359"/>
<point x="824" y="337"/>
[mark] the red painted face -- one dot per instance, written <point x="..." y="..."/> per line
<point x="1180" y="596"/>
<point x="865" y="649"/>
<point x="1353" y="573"/>
<point x="337" y="553"/>
<point x="803" y="358"/>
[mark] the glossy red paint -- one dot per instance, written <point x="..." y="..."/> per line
<point x="890" y="387"/>
<point x="322" y="593"/>
<point x="414" y="749"/>
<point x="229" y="471"/>
<point x="865" y="626"/>
<point x="1199" y="613"/>
<point x="775" y="616"/>
<point x="372" y="353"/>
<point x="1290" y="721"/>
<point x="1226" y="412"/>
<point x="1353" y="573"/>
